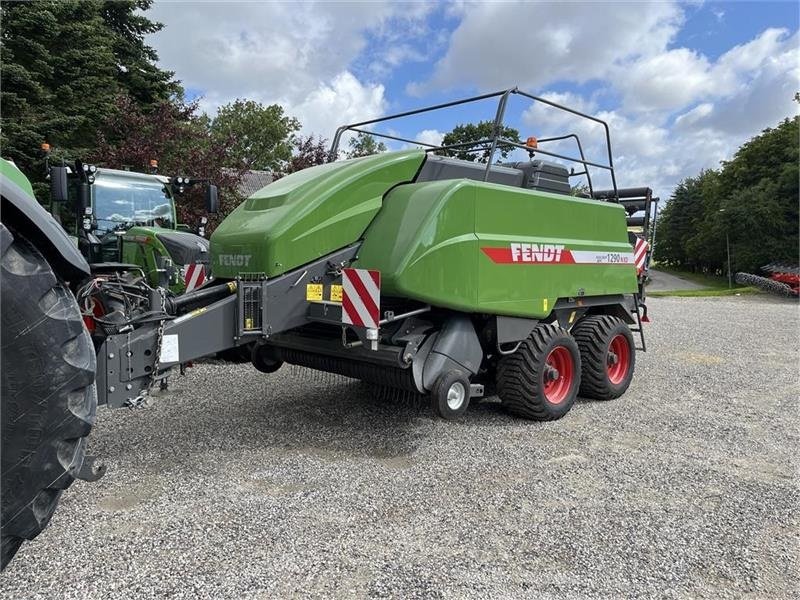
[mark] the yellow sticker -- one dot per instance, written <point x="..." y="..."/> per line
<point x="336" y="293"/>
<point x="314" y="292"/>
<point x="571" y="317"/>
<point x="544" y="304"/>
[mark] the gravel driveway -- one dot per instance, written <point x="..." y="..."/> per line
<point x="241" y="485"/>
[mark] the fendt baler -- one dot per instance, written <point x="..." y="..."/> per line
<point x="412" y="269"/>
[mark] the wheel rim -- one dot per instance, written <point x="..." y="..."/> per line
<point x="456" y="395"/>
<point x="619" y="359"/>
<point x="559" y="374"/>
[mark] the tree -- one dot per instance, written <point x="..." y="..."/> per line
<point x="137" y="73"/>
<point x="308" y="152"/>
<point x="173" y="134"/>
<point x="62" y="64"/>
<point x="365" y="144"/>
<point x="676" y="223"/>
<point x="472" y="132"/>
<point x="751" y="200"/>
<point x="262" y="136"/>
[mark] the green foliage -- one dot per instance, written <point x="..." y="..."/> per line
<point x="308" y="152"/>
<point x="752" y="199"/>
<point x="63" y="63"/>
<point x="257" y="136"/>
<point x="364" y="145"/>
<point x="473" y="132"/>
<point x="137" y="71"/>
<point x="173" y="134"/>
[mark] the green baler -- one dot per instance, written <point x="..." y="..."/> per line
<point x="412" y="269"/>
<point x="442" y="276"/>
<point x="447" y="243"/>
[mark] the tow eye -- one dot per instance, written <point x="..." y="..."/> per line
<point x="90" y="470"/>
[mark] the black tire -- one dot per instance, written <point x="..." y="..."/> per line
<point x="521" y="376"/>
<point x="450" y="395"/>
<point x="264" y="360"/>
<point x="594" y="335"/>
<point x="48" y="400"/>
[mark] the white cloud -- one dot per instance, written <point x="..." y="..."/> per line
<point x="430" y="136"/>
<point x="692" y="117"/>
<point x="672" y="110"/>
<point x="501" y="44"/>
<point x="296" y="54"/>
<point x="664" y="81"/>
<point x="674" y="79"/>
<point x="345" y="100"/>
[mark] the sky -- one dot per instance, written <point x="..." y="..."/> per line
<point x="680" y="84"/>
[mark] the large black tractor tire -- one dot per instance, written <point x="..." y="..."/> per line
<point x="608" y="356"/>
<point x="48" y="400"/>
<point x="540" y="380"/>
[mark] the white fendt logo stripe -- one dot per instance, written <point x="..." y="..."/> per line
<point x="536" y="252"/>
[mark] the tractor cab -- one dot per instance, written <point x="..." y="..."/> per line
<point x="120" y="216"/>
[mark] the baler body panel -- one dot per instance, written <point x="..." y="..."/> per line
<point x="307" y="214"/>
<point x="488" y="248"/>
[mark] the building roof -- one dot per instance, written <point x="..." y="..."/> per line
<point x="252" y="181"/>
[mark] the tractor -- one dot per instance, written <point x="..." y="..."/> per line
<point x="120" y="216"/>
<point x="447" y="278"/>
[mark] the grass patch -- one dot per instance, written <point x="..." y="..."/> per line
<point x="709" y="292"/>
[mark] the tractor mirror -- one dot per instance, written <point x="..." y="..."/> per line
<point x="84" y="197"/>
<point x="212" y="199"/>
<point x="58" y="184"/>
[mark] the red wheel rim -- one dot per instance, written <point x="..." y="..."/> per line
<point x="559" y="373"/>
<point x="619" y="359"/>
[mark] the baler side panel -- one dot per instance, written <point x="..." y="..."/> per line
<point x="307" y="214"/>
<point x="424" y="245"/>
<point x="430" y="243"/>
<point x="559" y="226"/>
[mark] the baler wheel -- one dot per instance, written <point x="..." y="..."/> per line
<point x="450" y="395"/>
<point x="48" y="399"/>
<point x="608" y="356"/>
<point x="263" y="361"/>
<point x="541" y="379"/>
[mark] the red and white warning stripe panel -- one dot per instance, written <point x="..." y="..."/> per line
<point x="361" y="297"/>
<point x="194" y="275"/>
<point x="640" y="253"/>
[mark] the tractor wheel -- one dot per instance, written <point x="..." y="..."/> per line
<point x="608" y="356"/>
<point x="48" y="397"/>
<point x="541" y="379"/>
<point x="450" y="395"/>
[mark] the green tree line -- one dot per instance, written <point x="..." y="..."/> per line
<point x="751" y="202"/>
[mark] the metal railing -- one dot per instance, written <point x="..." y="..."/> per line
<point x="496" y="140"/>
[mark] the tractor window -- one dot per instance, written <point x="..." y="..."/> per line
<point x="120" y="204"/>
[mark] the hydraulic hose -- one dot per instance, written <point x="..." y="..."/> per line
<point x="201" y="297"/>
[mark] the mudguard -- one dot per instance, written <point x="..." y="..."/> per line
<point x="22" y="212"/>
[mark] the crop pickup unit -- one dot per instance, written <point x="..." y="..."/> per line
<point x="411" y="269"/>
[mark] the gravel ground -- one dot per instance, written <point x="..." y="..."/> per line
<point x="241" y="485"/>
